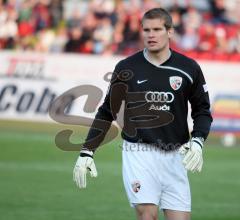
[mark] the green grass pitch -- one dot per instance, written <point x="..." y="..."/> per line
<point x="36" y="180"/>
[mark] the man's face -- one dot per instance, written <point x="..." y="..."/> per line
<point x="155" y="35"/>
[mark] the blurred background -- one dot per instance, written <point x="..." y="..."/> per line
<point x="48" y="47"/>
<point x="205" y="28"/>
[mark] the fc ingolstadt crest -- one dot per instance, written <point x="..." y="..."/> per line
<point x="175" y="82"/>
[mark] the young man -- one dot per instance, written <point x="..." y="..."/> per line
<point x="156" y="86"/>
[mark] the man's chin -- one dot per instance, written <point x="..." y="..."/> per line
<point x="154" y="50"/>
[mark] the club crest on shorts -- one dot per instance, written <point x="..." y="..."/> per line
<point x="175" y="82"/>
<point x="136" y="186"/>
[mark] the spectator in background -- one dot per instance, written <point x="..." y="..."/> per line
<point x="41" y="15"/>
<point x="192" y="18"/>
<point x="56" y="12"/>
<point x="60" y="40"/>
<point x="221" y="40"/>
<point x="234" y="42"/>
<point x="74" y="40"/>
<point x="207" y="41"/>
<point x="88" y="26"/>
<point x="131" y="36"/>
<point x="81" y="34"/>
<point x="178" y="26"/>
<point x="149" y="4"/>
<point x="218" y="11"/>
<point x="45" y="39"/>
<point x="25" y="20"/>
<point x="118" y="37"/>
<point x="103" y="35"/>
<point x="8" y="27"/>
<point x="74" y="20"/>
<point x="189" y="41"/>
<point x="177" y="21"/>
<point x="232" y="11"/>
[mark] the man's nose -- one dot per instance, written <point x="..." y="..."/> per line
<point x="151" y="34"/>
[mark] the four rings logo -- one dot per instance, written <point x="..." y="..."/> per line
<point x="159" y="97"/>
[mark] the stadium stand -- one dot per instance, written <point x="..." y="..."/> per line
<point x="206" y="29"/>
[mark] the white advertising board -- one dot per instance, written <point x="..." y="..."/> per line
<point x="30" y="81"/>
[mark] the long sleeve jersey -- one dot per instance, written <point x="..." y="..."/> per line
<point x="155" y="102"/>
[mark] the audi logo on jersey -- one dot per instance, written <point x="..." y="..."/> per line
<point x="159" y="97"/>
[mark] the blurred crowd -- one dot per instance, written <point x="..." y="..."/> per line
<point x="113" y="26"/>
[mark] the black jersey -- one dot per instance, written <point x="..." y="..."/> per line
<point x="155" y="100"/>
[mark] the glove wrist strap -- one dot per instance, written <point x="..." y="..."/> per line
<point x="86" y="153"/>
<point x="198" y="140"/>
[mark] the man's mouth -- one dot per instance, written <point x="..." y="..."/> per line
<point x="151" y="42"/>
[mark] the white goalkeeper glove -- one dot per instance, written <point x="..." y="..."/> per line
<point x="192" y="151"/>
<point x="84" y="163"/>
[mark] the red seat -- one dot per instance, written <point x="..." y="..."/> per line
<point x="234" y="57"/>
<point x="221" y="56"/>
<point x="205" y="55"/>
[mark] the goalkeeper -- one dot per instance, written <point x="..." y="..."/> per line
<point x="156" y="84"/>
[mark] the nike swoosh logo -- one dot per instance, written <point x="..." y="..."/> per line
<point x="141" y="81"/>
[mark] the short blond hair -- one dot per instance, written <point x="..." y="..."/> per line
<point x="161" y="14"/>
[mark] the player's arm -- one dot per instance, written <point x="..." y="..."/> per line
<point x="96" y="134"/>
<point x="105" y="115"/>
<point x="200" y="104"/>
<point x="202" y="119"/>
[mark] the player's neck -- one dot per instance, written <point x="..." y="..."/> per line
<point x="159" y="57"/>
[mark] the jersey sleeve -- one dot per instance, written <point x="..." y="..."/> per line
<point x="105" y="115"/>
<point x="200" y="105"/>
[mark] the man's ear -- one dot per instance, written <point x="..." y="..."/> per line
<point x="170" y="32"/>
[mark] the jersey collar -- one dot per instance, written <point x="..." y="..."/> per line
<point x="145" y="54"/>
